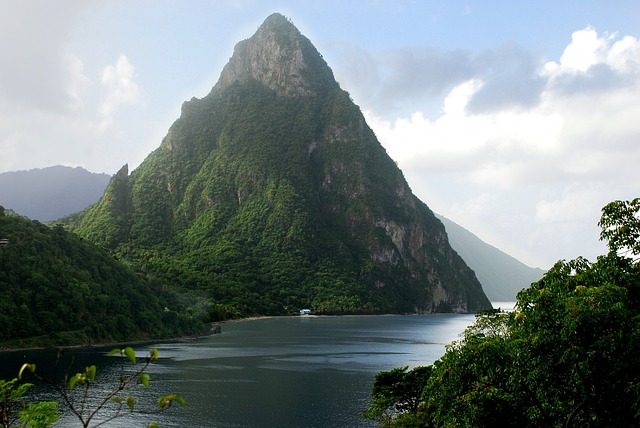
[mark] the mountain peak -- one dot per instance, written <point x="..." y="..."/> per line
<point x="276" y="20"/>
<point x="279" y="57"/>
<point x="272" y="193"/>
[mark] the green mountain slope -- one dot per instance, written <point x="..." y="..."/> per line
<point x="58" y="289"/>
<point x="272" y="193"/>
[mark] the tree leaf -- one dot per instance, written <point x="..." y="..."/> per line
<point x="73" y="381"/>
<point x="130" y="354"/>
<point x="163" y="402"/>
<point x="166" y="400"/>
<point x="91" y="373"/>
<point x="144" y="379"/>
<point x="131" y="401"/>
<point x="180" y="400"/>
<point x="154" y="353"/>
<point x="30" y="367"/>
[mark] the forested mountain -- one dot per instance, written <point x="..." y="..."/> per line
<point x="47" y="194"/>
<point x="60" y="289"/>
<point x="501" y="275"/>
<point x="272" y="193"/>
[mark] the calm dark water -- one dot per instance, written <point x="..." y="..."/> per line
<point x="281" y="372"/>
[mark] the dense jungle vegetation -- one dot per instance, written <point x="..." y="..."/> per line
<point x="262" y="205"/>
<point x="272" y="193"/>
<point x="58" y="288"/>
<point x="567" y="356"/>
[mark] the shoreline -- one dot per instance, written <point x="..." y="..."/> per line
<point x="213" y="332"/>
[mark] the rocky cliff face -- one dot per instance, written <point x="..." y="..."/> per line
<point x="273" y="193"/>
<point x="277" y="56"/>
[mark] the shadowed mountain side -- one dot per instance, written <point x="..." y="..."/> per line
<point x="501" y="275"/>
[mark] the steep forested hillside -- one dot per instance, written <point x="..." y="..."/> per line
<point x="272" y="193"/>
<point x="60" y="289"/>
<point x="47" y="194"/>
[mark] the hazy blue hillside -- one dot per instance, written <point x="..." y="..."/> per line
<point x="501" y="275"/>
<point x="50" y="193"/>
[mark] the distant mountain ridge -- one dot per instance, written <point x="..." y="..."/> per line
<point x="272" y="193"/>
<point x="501" y="275"/>
<point x="46" y="194"/>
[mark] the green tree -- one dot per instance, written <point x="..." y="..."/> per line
<point x="16" y="412"/>
<point x="396" y="395"/>
<point x="620" y="223"/>
<point x="60" y="290"/>
<point x="566" y="357"/>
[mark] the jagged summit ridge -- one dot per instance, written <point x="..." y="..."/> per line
<point x="279" y="57"/>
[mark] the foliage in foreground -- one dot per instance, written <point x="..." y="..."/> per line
<point x="16" y="412"/>
<point x="78" y="393"/>
<point x="566" y="357"/>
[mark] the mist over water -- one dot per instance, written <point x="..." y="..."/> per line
<point x="280" y="372"/>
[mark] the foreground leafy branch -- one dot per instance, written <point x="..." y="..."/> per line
<point x="77" y="394"/>
<point x="15" y="412"/>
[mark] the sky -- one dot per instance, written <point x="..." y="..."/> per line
<point x="517" y="120"/>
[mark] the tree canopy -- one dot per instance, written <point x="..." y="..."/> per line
<point x="59" y="289"/>
<point x="565" y="357"/>
<point x="620" y="223"/>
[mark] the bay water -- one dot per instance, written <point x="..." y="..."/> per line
<point x="275" y="372"/>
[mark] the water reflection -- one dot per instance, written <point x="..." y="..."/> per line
<point x="289" y="372"/>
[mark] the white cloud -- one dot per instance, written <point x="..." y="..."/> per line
<point x="52" y="110"/>
<point x="561" y="208"/>
<point x="84" y="132"/>
<point x="531" y="178"/>
<point x="88" y="130"/>
<point x="33" y="39"/>
<point x="78" y="84"/>
<point x="624" y="55"/>
<point x="586" y="50"/>
<point x="119" y="83"/>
